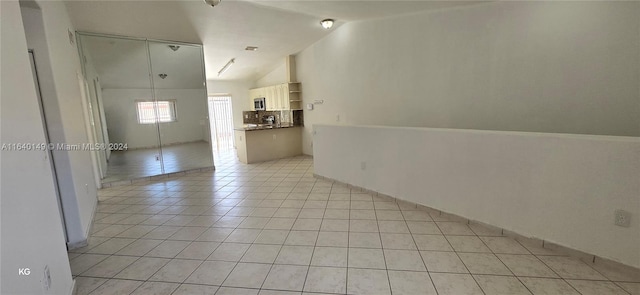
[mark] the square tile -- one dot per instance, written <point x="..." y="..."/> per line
<point x="543" y="286"/>
<point x="86" y="285"/>
<point x="189" y="289"/>
<point x="114" y="286"/>
<point x="307" y="224"/>
<point x="423" y="228"/>
<point x="298" y="255"/>
<point x="176" y="271"/>
<point x="333" y="239"/>
<point x="156" y="288"/>
<point x="211" y="273"/>
<point x="455" y="284"/>
<point x="526" y="266"/>
<point x="329" y="256"/>
<point x="467" y="244"/>
<point x="336" y="214"/>
<point x="280" y="223"/>
<point x="411" y="283"/>
<point x="247" y="275"/>
<point x="215" y="234"/>
<point x="455" y="228"/>
<point x="198" y="250"/>
<point x="404" y="260"/>
<point x="139" y="247"/>
<point x="85" y="261"/>
<point x="495" y="285"/>
<point x="443" y="262"/>
<point x="168" y="249"/>
<point x="326" y="280"/>
<point x="392" y="226"/>
<point x="335" y="225"/>
<point x="286" y="277"/>
<point x="229" y="252"/>
<point x="142" y="269"/>
<point x="367" y="281"/>
<point x="365" y="240"/>
<point x="272" y="236"/>
<point x="109" y="267"/>
<point x="389" y="215"/>
<point x="362" y="215"/>
<point x="432" y="243"/>
<point x="398" y="241"/>
<point x="367" y="258"/>
<point x="243" y="236"/>
<point x="571" y="268"/>
<point x="363" y="226"/>
<point x="484" y="263"/>
<point x="416" y="215"/>
<point x="301" y="238"/>
<point x="596" y="287"/>
<point x="504" y="245"/>
<point x="261" y="253"/>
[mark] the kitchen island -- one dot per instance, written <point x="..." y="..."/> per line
<point x="259" y="143"/>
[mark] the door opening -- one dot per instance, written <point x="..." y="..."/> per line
<point x="34" y="70"/>
<point x="221" y="122"/>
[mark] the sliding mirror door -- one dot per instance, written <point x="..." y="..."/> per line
<point x="181" y="100"/>
<point x="121" y="98"/>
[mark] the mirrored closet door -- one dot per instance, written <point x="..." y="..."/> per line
<point x="148" y="105"/>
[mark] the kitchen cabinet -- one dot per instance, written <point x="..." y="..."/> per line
<point x="286" y="96"/>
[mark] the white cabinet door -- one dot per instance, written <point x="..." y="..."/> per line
<point x="270" y="96"/>
<point x="285" y="96"/>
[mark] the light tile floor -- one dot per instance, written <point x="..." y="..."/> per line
<point x="272" y="228"/>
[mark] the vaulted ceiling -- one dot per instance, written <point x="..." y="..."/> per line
<point x="278" y="28"/>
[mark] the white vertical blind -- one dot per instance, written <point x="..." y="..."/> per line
<point x="221" y="122"/>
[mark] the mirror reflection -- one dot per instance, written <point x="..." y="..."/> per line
<point x="149" y="104"/>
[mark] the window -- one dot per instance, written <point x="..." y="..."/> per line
<point x="150" y="112"/>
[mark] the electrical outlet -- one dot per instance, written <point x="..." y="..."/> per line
<point x="274" y="137"/>
<point x="622" y="218"/>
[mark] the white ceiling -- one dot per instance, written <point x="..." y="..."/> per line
<point x="278" y="28"/>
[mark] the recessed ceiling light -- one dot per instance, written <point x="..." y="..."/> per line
<point x="251" y="48"/>
<point x="327" y="23"/>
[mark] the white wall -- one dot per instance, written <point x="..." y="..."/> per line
<point x="239" y="91"/>
<point x="561" y="67"/>
<point x="122" y="121"/>
<point x="557" y="187"/>
<point x="31" y="231"/>
<point x="59" y="67"/>
<point x="277" y="76"/>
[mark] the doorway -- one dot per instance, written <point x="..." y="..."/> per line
<point x="36" y="81"/>
<point x="221" y="122"/>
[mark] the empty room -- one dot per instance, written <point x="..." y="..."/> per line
<point x="320" y="147"/>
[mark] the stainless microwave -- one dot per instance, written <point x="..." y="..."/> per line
<point x="259" y="104"/>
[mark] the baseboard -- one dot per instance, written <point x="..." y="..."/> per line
<point x="539" y="242"/>
<point x="156" y="177"/>
<point x="74" y="290"/>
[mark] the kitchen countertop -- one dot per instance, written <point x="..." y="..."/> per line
<point x="254" y="127"/>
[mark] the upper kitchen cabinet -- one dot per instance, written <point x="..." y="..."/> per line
<point x="286" y="96"/>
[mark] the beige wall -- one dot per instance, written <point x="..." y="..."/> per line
<point x="59" y="71"/>
<point x="31" y="230"/>
<point x="562" y="188"/>
<point x="560" y="67"/>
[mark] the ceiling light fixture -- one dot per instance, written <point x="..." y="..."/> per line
<point x="327" y="23"/>
<point x="251" y="48"/>
<point x="174" y="47"/>
<point x="163" y="75"/>
<point x="212" y="3"/>
<point x="226" y="67"/>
